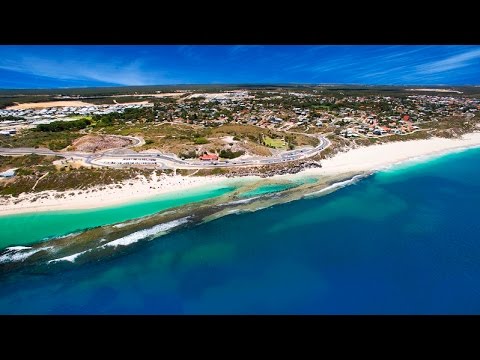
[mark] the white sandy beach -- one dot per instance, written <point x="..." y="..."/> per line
<point x="132" y="190"/>
<point x="376" y="157"/>
<point x="357" y="160"/>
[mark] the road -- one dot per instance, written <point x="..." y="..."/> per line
<point x="164" y="161"/>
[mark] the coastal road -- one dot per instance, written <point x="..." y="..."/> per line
<point x="113" y="158"/>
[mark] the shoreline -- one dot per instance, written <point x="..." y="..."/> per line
<point x="359" y="160"/>
<point x="128" y="192"/>
<point x="383" y="156"/>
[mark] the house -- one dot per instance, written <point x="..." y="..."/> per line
<point x="208" y="157"/>
<point x="8" y="173"/>
<point x="275" y="120"/>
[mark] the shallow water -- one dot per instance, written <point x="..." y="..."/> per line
<point x="25" y="229"/>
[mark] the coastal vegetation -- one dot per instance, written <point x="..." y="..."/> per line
<point x="37" y="173"/>
<point x="200" y="140"/>
<point x="229" y="154"/>
<point x="58" y="126"/>
<point x="35" y="139"/>
<point x="26" y="162"/>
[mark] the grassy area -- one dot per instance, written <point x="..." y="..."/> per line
<point x="30" y="138"/>
<point x="208" y="172"/>
<point x="66" y="180"/>
<point x="78" y="117"/>
<point x="275" y="143"/>
<point x="367" y="141"/>
<point x="241" y="131"/>
<point x="452" y="126"/>
<point x="417" y="135"/>
<point x="26" y="161"/>
<point x="200" y="141"/>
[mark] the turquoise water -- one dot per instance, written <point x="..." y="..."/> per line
<point x="267" y="189"/>
<point x="273" y="188"/>
<point x="404" y="241"/>
<point x="25" y="229"/>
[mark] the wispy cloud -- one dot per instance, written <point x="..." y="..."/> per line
<point x="450" y="63"/>
<point x="80" y="67"/>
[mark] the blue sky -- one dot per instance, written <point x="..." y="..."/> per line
<point x="80" y="66"/>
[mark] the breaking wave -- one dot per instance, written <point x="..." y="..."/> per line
<point x="20" y="253"/>
<point x="70" y="258"/>
<point x="337" y="185"/>
<point x="146" y="233"/>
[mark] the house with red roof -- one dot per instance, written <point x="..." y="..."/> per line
<point x="208" y="157"/>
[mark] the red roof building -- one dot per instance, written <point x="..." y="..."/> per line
<point x="208" y="157"/>
<point x="406" y="117"/>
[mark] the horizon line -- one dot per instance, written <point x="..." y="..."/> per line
<point x="238" y="85"/>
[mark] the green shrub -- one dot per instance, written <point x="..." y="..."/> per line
<point x="200" y="141"/>
<point x="57" y="126"/>
<point x="229" y="154"/>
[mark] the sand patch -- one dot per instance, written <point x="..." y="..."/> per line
<point x="93" y="143"/>
<point x="48" y="104"/>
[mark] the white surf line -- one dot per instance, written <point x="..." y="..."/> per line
<point x="20" y="253"/>
<point x="146" y="233"/>
<point x="338" y="185"/>
<point x="70" y="258"/>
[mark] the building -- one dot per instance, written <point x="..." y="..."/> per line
<point x="8" y="173"/>
<point x="8" y="132"/>
<point x="209" y="157"/>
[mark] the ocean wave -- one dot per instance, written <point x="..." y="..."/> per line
<point x="337" y="185"/>
<point x="234" y="211"/>
<point x="70" y="258"/>
<point x="121" y="225"/>
<point x="17" y="248"/>
<point x="147" y="233"/>
<point x="20" y="253"/>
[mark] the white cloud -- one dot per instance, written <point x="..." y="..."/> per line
<point x="450" y="63"/>
<point x="82" y="67"/>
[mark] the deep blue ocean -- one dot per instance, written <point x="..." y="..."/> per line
<point x="403" y="241"/>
